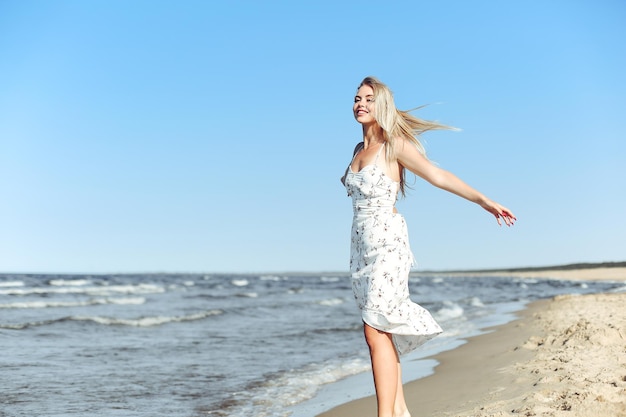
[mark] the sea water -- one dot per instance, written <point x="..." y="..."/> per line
<point x="193" y="345"/>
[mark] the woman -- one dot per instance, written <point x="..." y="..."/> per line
<point x="381" y="258"/>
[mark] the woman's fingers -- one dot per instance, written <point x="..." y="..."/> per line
<point x="504" y="214"/>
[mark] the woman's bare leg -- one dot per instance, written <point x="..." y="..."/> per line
<point x="400" y="409"/>
<point x="386" y="370"/>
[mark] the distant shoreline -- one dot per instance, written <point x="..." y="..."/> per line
<point x="604" y="271"/>
<point x="566" y="267"/>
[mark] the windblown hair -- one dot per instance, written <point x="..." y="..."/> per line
<point x="397" y="124"/>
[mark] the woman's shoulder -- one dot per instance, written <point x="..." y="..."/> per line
<point x="402" y="145"/>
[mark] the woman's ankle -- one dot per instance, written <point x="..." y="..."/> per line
<point x="401" y="413"/>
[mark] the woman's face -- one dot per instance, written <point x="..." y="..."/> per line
<point x="364" y="105"/>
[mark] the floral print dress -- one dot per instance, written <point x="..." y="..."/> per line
<point x="381" y="259"/>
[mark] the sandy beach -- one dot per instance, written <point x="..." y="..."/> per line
<point x="563" y="357"/>
<point x="587" y="274"/>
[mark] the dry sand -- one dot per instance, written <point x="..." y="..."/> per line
<point x="588" y="274"/>
<point x="564" y="357"/>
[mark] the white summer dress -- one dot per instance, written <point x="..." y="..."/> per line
<point x="381" y="259"/>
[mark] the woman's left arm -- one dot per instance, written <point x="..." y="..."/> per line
<point x="414" y="161"/>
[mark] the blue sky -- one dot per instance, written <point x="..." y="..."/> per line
<point x="193" y="136"/>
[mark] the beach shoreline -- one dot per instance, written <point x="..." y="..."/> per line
<point x="585" y="274"/>
<point x="563" y="356"/>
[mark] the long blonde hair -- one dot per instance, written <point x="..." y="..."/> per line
<point x="397" y="124"/>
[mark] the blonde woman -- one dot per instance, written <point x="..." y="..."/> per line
<point x="381" y="258"/>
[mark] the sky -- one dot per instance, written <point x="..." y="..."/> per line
<point x="200" y="137"/>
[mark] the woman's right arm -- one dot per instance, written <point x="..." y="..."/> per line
<point x="414" y="161"/>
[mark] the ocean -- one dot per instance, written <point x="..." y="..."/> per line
<point x="191" y="345"/>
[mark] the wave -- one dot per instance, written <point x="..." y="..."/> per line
<point x="247" y="294"/>
<point x="274" y="278"/>
<point x="619" y="289"/>
<point x="59" y="304"/>
<point x="102" y="291"/>
<point x="240" y="282"/>
<point x="12" y="284"/>
<point x="69" y="282"/>
<point x="450" y="311"/>
<point x="112" y="321"/>
<point x="527" y="280"/>
<point x="273" y="396"/>
<point x="331" y="302"/>
<point x="148" y="321"/>
<point x="476" y="302"/>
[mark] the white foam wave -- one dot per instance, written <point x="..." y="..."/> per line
<point x="450" y="311"/>
<point x="329" y="279"/>
<point x="527" y="280"/>
<point x="69" y="282"/>
<point x="111" y="321"/>
<point x="331" y="302"/>
<point x="271" y="278"/>
<point x="240" y="282"/>
<point x="61" y="304"/>
<point x="126" y="301"/>
<point x="476" y="302"/>
<point x="147" y="321"/>
<point x="44" y="304"/>
<point x="102" y="291"/>
<point x="274" y="397"/>
<point x="248" y="294"/>
<point x="12" y="284"/>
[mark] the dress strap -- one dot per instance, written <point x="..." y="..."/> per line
<point x="360" y="147"/>
<point x="378" y="153"/>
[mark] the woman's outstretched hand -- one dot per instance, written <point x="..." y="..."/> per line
<point x="500" y="212"/>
